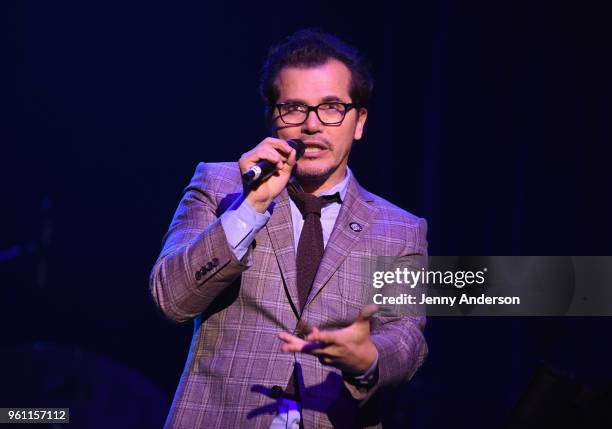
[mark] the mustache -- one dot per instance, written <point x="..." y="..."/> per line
<point x="318" y="140"/>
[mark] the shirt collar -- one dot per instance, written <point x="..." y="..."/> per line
<point x="340" y="187"/>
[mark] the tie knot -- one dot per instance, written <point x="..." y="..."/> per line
<point x="307" y="203"/>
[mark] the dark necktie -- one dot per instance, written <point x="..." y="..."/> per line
<point x="309" y="254"/>
<point x="310" y="246"/>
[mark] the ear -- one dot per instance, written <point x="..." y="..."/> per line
<point x="361" y="120"/>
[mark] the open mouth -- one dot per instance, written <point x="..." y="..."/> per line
<point x="314" y="148"/>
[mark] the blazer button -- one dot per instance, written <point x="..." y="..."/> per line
<point x="209" y="266"/>
<point x="198" y="275"/>
<point x="276" y="392"/>
<point x="215" y="262"/>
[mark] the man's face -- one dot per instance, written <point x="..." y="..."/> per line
<point x="327" y="146"/>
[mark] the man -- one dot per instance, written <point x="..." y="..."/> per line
<point x="282" y="337"/>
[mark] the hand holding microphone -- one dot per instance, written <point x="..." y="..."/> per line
<point x="266" y="169"/>
<point x="263" y="169"/>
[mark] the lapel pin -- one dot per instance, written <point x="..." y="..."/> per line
<point x="355" y="226"/>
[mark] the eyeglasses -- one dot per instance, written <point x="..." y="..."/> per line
<point x="331" y="113"/>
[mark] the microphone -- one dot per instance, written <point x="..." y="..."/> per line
<point x="263" y="169"/>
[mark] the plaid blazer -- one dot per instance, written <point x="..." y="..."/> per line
<point x="235" y="366"/>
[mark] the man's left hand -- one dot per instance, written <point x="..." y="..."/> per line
<point x="349" y="349"/>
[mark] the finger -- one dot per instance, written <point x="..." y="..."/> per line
<point x="367" y="312"/>
<point x="327" y="360"/>
<point x="286" y="151"/>
<point x="313" y="331"/>
<point x="289" y="338"/>
<point x="313" y="347"/>
<point x="325" y="350"/>
<point x="279" y="158"/>
<point x="296" y="345"/>
<point x="292" y="344"/>
<point x="271" y="155"/>
<point x="328" y="337"/>
<point x="279" y="145"/>
<point x="252" y="157"/>
<point x="291" y="160"/>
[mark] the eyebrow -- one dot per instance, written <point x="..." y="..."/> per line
<point x="326" y="99"/>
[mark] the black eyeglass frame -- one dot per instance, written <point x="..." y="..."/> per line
<point x="347" y="107"/>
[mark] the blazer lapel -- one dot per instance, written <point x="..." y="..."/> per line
<point x="355" y="211"/>
<point x="280" y="231"/>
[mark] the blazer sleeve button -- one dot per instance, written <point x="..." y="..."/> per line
<point x="198" y="275"/>
<point x="209" y="266"/>
<point x="215" y="262"/>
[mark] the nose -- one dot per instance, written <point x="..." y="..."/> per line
<point x="312" y="124"/>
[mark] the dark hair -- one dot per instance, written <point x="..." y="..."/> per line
<point x="310" y="48"/>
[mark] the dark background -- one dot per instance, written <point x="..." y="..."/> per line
<point x="490" y="119"/>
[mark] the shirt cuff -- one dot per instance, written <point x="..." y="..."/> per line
<point x="366" y="378"/>
<point x="241" y="224"/>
